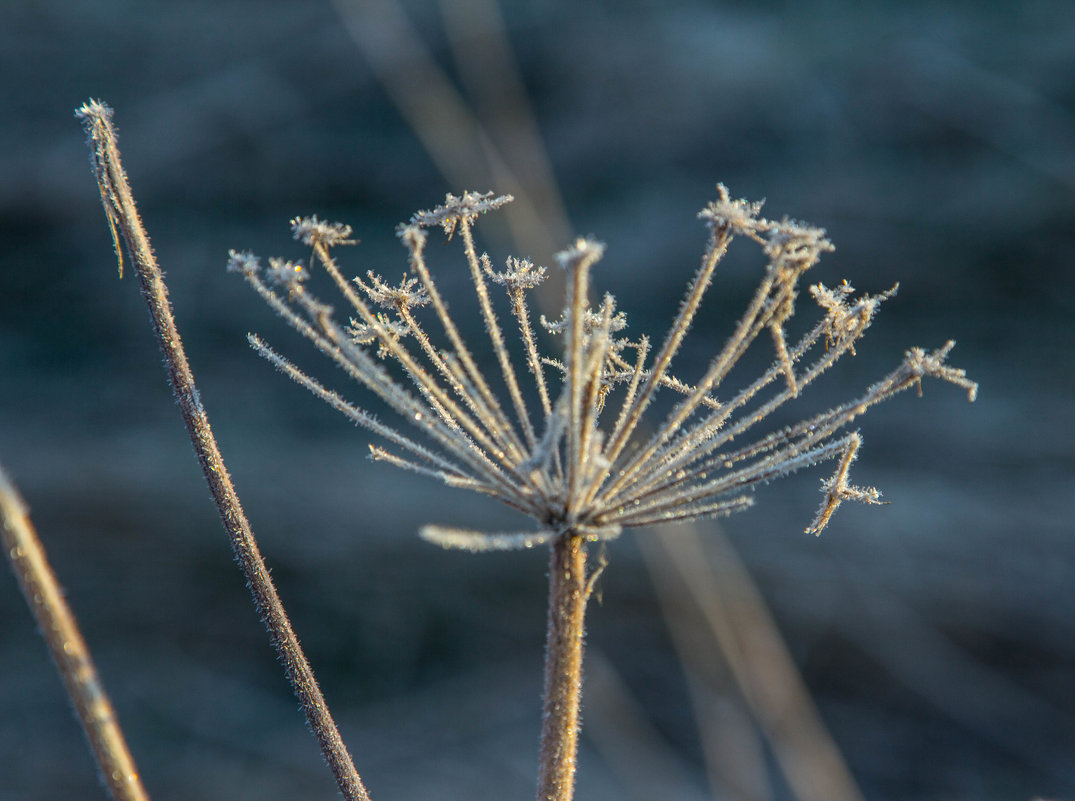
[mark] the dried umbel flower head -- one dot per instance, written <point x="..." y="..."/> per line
<point x="582" y="457"/>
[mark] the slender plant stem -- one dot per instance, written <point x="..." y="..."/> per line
<point x="69" y="650"/>
<point x="568" y="593"/>
<point x="121" y="212"/>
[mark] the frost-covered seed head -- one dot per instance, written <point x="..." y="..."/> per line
<point x="585" y="452"/>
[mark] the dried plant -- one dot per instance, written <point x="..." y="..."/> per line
<point x="577" y="455"/>
<point x="580" y="459"/>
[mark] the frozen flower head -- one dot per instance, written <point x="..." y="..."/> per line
<point x="569" y="438"/>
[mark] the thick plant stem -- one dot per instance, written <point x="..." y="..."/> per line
<point x="69" y="651"/>
<point x="121" y="213"/>
<point x="568" y="593"/>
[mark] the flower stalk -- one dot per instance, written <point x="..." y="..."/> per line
<point x="560" y="720"/>
<point x="562" y="459"/>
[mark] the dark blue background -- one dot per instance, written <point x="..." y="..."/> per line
<point x="935" y="142"/>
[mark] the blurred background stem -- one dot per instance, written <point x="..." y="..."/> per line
<point x="58" y="626"/>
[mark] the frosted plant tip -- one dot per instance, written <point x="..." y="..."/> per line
<point x="312" y="231"/>
<point x="584" y="251"/>
<point x="287" y="273"/>
<point x="242" y="262"/>
<point x="94" y="109"/>
<point x="738" y="217"/>
<point x="455" y="210"/>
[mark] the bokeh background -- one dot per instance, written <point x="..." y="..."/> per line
<point x="922" y="650"/>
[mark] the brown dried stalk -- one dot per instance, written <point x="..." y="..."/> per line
<point x="121" y="213"/>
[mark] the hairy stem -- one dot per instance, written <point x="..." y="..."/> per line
<point x="69" y="651"/>
<point x="122" y="214"/>
<point x="568" y="593"/>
